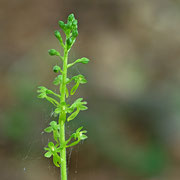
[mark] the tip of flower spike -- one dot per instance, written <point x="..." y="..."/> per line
<point x="71" y="17"/>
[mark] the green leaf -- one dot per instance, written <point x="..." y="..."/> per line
<point x="82" y="60"/>
<point x="73" y="115"/>
<point x="48" y="129"/>
<point x="53" y="52"/>
<point x="48" y="154"/>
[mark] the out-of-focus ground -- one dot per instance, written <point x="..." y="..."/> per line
<point x="133" y="89"/>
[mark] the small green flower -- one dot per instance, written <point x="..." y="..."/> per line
<point x="80" y="79"/>
<point x="80" y="134"/>
<point x="52" y="150"/>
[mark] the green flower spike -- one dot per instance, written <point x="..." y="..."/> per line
<point x="65" y="112"/>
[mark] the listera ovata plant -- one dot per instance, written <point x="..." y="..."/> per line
<point x="65" y="112"/>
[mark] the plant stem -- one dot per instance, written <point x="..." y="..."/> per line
<point x="63" y="152"/>
<point x="62" y="117"/>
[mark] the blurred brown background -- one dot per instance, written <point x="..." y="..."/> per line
<point x="133" y="89"/>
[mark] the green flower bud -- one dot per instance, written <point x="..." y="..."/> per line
<point x="66" y="26"/>
<point x="75" y="33"/>
<point x="75" y="22"/>
<point x="56" y="68"/>
<point x="58" y="35"/>
<point x="53" y="52"/>
<point x="69" y="41"/>
<point x="61" y="24"/>
<point x="71" y="17"/>
<point x="69" y="25"/>
<point x="83" y="60"/>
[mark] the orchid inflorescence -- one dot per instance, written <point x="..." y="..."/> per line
<point x="66" y="112"/>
